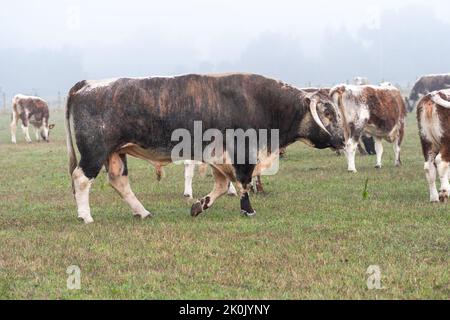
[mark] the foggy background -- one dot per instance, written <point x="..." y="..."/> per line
<point x="47" y="46"/>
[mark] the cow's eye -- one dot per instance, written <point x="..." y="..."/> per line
<point x="328" y="113"/>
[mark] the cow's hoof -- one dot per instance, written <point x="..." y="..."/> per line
<point x="188" y="196"/>
<point x="443" y="196"/>
<point x="196" y="209"/>
<point x="142" y="216"/>
<point x="352" y="171"/>
<point x="434" y="197"/>
<point x="86" y="220"/>
<point x="378" y="166"/>
<point x="248" y="214"/>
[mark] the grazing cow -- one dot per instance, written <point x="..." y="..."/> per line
<point x="427" y="84"/>
<point x="377" y="111"/>
<point x="137" y="117"/>
<point x="433" y="117"/>
<point x="30" y="110"/>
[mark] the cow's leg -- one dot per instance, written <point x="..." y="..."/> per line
<point x="37" y="133"/>
<point x="259" y="185"/>
<point x="397" y="145"/>
<point x="25" y="123"/>
<point x="361" y="149"/>
<point x="430" y="173"/>
<point x="82" y="178"/>
<point x="429" y="154"/>
<point x="442" y="164"/>
<point x="189" y="168"/>
<point x="15" y="120"/>
<point x="244" y="174"/>
<point x="350" y="153"/>
<point x="397" y="149"/>
<point x="82" y="185"/>
<point x="256" y="185"/>
<point x="379" y="152"/>
<point x="202" y="169"/>
<point x="231" y="189"/>
<point x="26" y="132"/>
<point x="220" y="188"/>
<point x="118" y="178"/>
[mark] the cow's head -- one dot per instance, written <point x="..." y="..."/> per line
<point x="326" y="128"/>
<point x="45" y="132"/>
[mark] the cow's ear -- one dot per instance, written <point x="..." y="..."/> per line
<point x="307" y="101"/>
<point x="51" y="126"/>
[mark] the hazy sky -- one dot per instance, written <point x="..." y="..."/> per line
<point x="214" y="28"/>
<point x="105" y="38"/>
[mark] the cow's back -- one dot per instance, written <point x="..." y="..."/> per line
<point x="33" y="106"/>
<point x="150" y="109"/>
<point x="387" y="107"/>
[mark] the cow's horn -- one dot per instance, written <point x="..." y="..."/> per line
<point x="315" y="115"/>
<point x="436" y="98"/>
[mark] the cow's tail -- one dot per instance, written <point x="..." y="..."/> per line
<point x="69" y="140"/>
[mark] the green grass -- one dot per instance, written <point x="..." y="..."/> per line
<point x="314" y="235"/>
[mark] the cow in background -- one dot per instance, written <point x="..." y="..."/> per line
<point x="427" y="84"/>
<point x="360" y="81"/>
<point x="433" y="117"/>
<point x="34" y="111"/>
<point x="377" y="111"/>
<point x="366" y="144"/>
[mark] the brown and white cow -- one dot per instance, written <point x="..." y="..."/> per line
<point x="138" y="117"/>
<point x="433" y="117"/>
<point x="377" y="111"/>
<point x="30" y="110"/>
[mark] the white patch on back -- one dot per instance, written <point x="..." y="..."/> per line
<point x="431" y="128"/>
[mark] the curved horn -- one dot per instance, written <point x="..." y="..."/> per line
<point x="436" y="98"/>
<point x="315" y="115"/>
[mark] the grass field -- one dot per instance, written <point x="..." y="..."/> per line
<point x="314" y="235"/>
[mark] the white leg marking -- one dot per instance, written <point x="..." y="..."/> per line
<point x="379" y="151"/>
<point x="122" y="185"/>
<point x="37" y="133"/>
<point x="232" y="190"/>
<point x="430" y="173"/>
<point x="189" y="168"/>
<point x="82" y="187"/>
<point x="397" y="150"/>
<point x="220" y="188"/>
<point x="14" y="128"/>
<point x="442" y="168"/>
<point x="26" y="132"/>
<point x="350" y="153"/>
